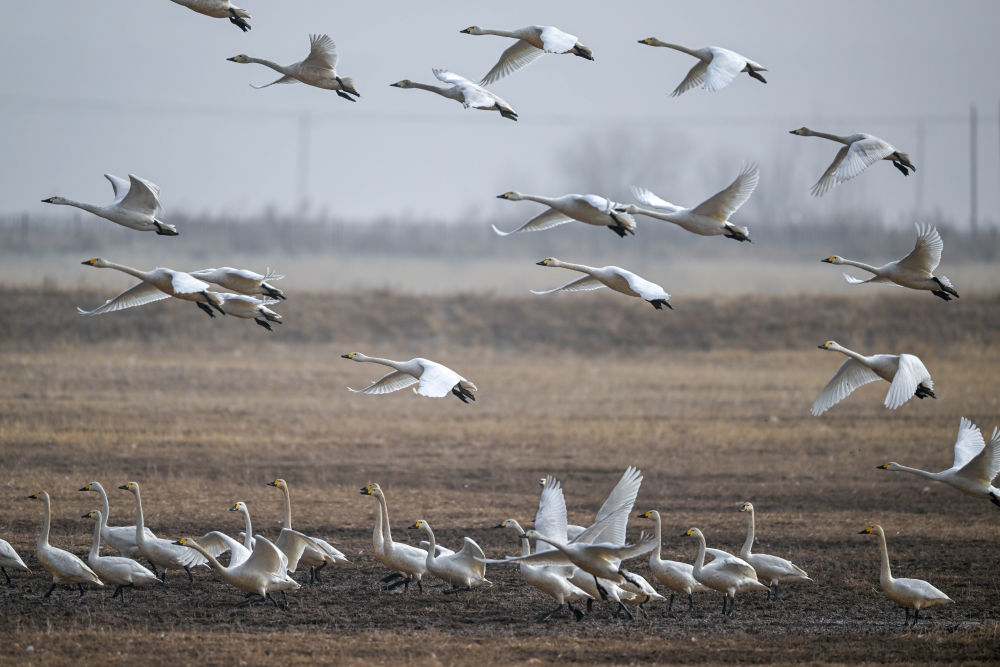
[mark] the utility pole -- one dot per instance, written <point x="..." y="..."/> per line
<point x="973" y="172"/>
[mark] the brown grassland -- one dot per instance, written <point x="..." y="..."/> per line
<point x="710" y="400"/>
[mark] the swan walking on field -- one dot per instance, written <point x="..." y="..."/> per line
<point x="158" y="551"/>
<point x="614" y="277"/>
<point x="860" y="151"/>
<point x="64" y="567"/>
<point x="118" y="570"/>
<point x="532" y="42"/>
<point x="726" y="573"/>
<point x="319" y="68"/>
<point x="906" y="374"/>
<point x="122" y="538"/>
<point x="591" y="209"/>
<point x="432" y="379"/>
<point x="408" y="563"/>
<point x="220" y="9"/>
<point x="9" y="558"/>
<point x="915" y="271"/>
<point x="136" y="205"/>
<point x="462" y="90"/>
<point x="463" y="569"/>
<point x="313" y="552"/>
<point x="675" y="575"/>
<point x="160" y="283"/>
<point x="715" y="69"/>
<point x="976" y="463"/>
<point x="772" y="570"/>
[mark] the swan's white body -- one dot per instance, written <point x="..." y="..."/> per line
<point x="590" y="209"/>
<point x="975" y="466"/>
<point x="532" y="42"/>
<point x="915" y="271"/>
<point x="219" y="9"/>
<point x="433" y="380"/>
<point x="675" y="575"/>
<point x="318" y="69"/>
<point x="160" y="552"/>
<point x="312" y="552"/>
<point x="117" y="570"/>
<point x="462" y="90"/>
<point x="261" y="573"/>
<point x="618" y="279"/>
<point x="404" y="559"/>
<point x="913" y="594"/>
<point x="136" y="205"/>
<point x="709" y="218"/>
<point x="715" y="69"/>
<point x="158" y="284"/>
<point x="771" y="570"/>
<point x="122" y="538"/>
<point x="464" y="569"/>
<point x="243" y="281"/>
<point x="726" y="573"/>
<point x="249" y="308"/>
<point x="906" y="374"/>
<point x="860" y="151"/>
<point x="9" y="558"/>
<point x="64" y="567"/>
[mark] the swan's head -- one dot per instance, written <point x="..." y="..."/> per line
<point x="651" y="41"/>
<point x="835" y="259"/>
<point x="876" y="529"/>
<point x="240" y="505"/>
<point x="130" y="486"/>
<point x="405" y="83"/>
<point x="55" y="200"/>
<point x="548" y="261"/>
<point x="36" y="496"/>
<point x="92" y="514"/>
<point x="420" y="523"/>
<point x="746" y="507"/>
<point x="185" y="542"/>
<point x="354" y="356"/>
<point x="239" y="59"/>
<point x="529" y="534"/>
<point x="371" y="489"/>
<point x="827" y="345"/>
<point x="691" y="532"/>
<point x="506" y="523"/>
<point x="279" y="483"/>
<point x="802" y="132"/>
<point x="472" y="30"/>
<point x="512" y="195"/>
<point x="892" y="465"/>
<point x="99" y="262"/>
<point x="91" y="486"/>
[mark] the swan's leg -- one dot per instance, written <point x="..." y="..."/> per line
<point x="152" y="566"/>
<point x="628" y="612"/>
<point x="625" y="575"/>
<point x="725" y="600"/>
<point x="6" y="576"/>
<point x="118" y="591"/>
<point x="916" y="615"/>
<point x="345" y="96"/>
<point x="690" y="602"/>
<point x="82" y="589"/>
<point x="458" y="590"/>
<point x="617" y="229"/>
<point x="732" y="606"/>
<point x="284" y="598"/>
<point x="268" y="596"/>
<point x="670" y="605"/>
<point x="993" y="499"/>
<point x="950" y="290"/>
<point x="907" y="620"/>
<point x="271" y="292"/>
<point x="590" y="604"/>
<point x="237" y="20"/>
<point x="546" y="615"/>
<point x="263" y="323"/>
<point x="314" y="573"/>
<point x="457" y="390"/>
<point x="213" y="304"/>
<point x="924" y="391"/>
<point x="49" y="592"/>
<point x="401" y="582"/>
<point x="753" y="73"/>
<point x="600" y="589"/>
<point x="190" y="576"/>
<point x="774" y="588"/>
<point x="205" y="308"/>
<point x="576" y="612"/>
<point x="901" y="167"/>
<point x="642" y="607"/>
<point x="420" y="586"/>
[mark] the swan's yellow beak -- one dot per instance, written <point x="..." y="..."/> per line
<point x="884" y="466"/>
<point x="646" y="41"/>
<point x="828" y="260"/>
<point x="866" y="531"/>
<point x="90" y="261"/>
<point x="181" y="541"/>
<point x="86" y="488"/>
<point x="126" y="486"/>
<point x="34" y="495"/>
<point x="349" y="356"/>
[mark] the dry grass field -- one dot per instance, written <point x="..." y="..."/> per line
<point x="710" y="400"/>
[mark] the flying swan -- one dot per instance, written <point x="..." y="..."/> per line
<point x="160" y="283"/>
<point x="860" y="151"/>
<point x="220" y="9"/>
<point x="136" y="205"/>
<point x="614" y="277"/>
<point x="243" y="281"/>
<point x="532" y="42"/>
<point x="715" y="69"/>
<point x="319" y="68"/>
<point x="432" y="379"/>
<point x="591" y="209"/>
<point x="462" y="90"/>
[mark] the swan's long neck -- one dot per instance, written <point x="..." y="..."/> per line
<point x="861" y="265"/>
<point x="91" y="208"/>
<point x="748" y="544"/>
<point x="43" y="538"/>
<point x="248" y="534"/>
<point x="385" y="362"/>
<point x="886" y="573"/>
<point x="105" y="507"/>
<point x="699" y="562"/>
<point x="498" y="33"/>
<point x="141" y="275"/>
<point x="916" y="471"/>
<point x="95" y="548"/>
<point x="525" y="542"/>
<point x="444" y="92"/>
<point x="140" y="524"/>
<point x="288" y="507"/>
<point x="678" y="47"/>
<point x="850" y="353"/>
<point x="383" y="519"/>
<point x="216" y="565"/>
<point x="548" y="540"/>
<point x="831" y="137"/>
<point x="582" y="268"/>
<point x="267" y="63"/>
<point x="432" y="551"/>
<point x="654" y="556"/>
<point x="539" y="198"/>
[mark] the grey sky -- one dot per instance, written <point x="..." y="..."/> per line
<point x="143" y="86"/>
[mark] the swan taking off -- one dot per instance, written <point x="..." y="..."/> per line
<point x="319" y="68"/>
<point x="906" y="374"/>
<point x="157" y="284"/>
<point x="771" y="569"/>
<point x="220" y="9"/>
<point x="136" y="205"/>
<point x="591" y="209"/>
<point x="64" y="567"/>
<point x="715" y="69"/>
<point x="432" y="379"/>
<point x="462" y="90"/>
<point x="915" y="271"/>
<point x="260" y="574"/>
<point x="709" y="218"/>
<point x="614" y="277"/>
<point x="860" y="151"/>
<point x="532" y="42"/>
<point x="976" y="464"/>
<point x="910" y="594"/>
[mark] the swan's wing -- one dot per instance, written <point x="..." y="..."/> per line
<point x="266" y="557"/>
<point x="910" y="373"/>
<point x="968" y="444"/>
<point x="119" y="185"/>
<point x="645" y="289"/>
<point x="153" y="187"/>
<point x="388" y="383"/>
<point x="723" y="204"/>
<point x="725" y="66"/>
<point x="695" y="77"/>
<point x="556" y="41"/>
<point x="217" y="543"/>
<point x="605" y="529"/>
<point x="623" y="495"/>
<point x="241" y="273"/>
<point x="445" y="76"/>
<point x="829" y="178"/>
<point x="322" y="53"/>
<point x="874" y="279"/>
<point x="437" y="380"/>
<point x="284" y="79"/>
<point x="926" y="254"/>
<point x="597" y="202"/>
<point x="862" y="154"/>
<point x="137" y="295"/>
<point x="851" y="375"/>
<point x="582" y="284"/>
<point x="471" y="554"/>
<point x="648" y="198"/>
<point x="473" y="95"/>
<point x="140" y="197"/>
<point x="550" y="557"/>
<point x="547" y="220"/>
<point x="550" y="518"/>
<point x="516" y="57"/>
<point x="185" y="283"/>
<point x="985" y="465"/>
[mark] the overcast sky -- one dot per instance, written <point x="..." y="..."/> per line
<point x="143" y="86"/>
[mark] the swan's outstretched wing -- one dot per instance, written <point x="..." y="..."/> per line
<point x="545" y="557"/>
<point x="725" y="203"/>
<point x="874" y="279"/>
<point x="119" y="185"/>
<point x="829" y="178"/>
<point x="322" y="53"/>
<point x="240" y="273"/>
<point x="725" y="66"/>
<point x="985" y="466"/>
<point x="388" y="383"/>
<point x="550" y="519"/>
<point x="153" y="187"/>
<point x="472" y="555"/>
<point x="516" y="57"/>
<point x="437" y="380"/>
<point x="582" y="284"/>
<point x="645" y="289"/>
<point x="648" y="198"/>
<point x="266" y="557"/>
<point x="556" y="41"/>
<point x="851" y="375"/>
<point x="218" y="543"/>
<point x="546" y="220"/>
<point x="926" y="254"/>
<point x="137" y="295"/>
<point x="623" y="495"/>
<point x="851" y="160"/>
<point x="291" y="543"/>
<point x="968" y="444"/>
<point x="608" y="551"/>
<point x="185" y="283"/>
<point x="695" y="77"/>
<point x="284" y="79"/>
<point x="140" y="196"/>
<point x="473" y="95"/>
<point x="909" y="375"/>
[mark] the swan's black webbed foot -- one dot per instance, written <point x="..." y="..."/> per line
<point x="190" y="576"/>
<point x="628" y="612"/>
<point x="942" y="295"/>
<point x="617" y="229"/>
<point x="576" y="612"/>
<point x="205" y="308"/>
<point x="263" y="323"/>
<point x="659" y="303"/>
<point x="755" y="74"/>
<point x="238" y="20"/>
<point x="901" y="167"/>
<point x="924" y="392"/>
<point x="545" y="616"/>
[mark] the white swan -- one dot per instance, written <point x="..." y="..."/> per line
<point x="572" y="530"/>
<point x="432" y="379"/>
<point x="709" y="218"/>
<point x="860" y="151"/>
<point x="462" y="90"/>
<point x="122" y="538"/>
<point x="407" y="562"/>
<point x="312" y="552"/>
<point x="243" y="281"/>
<point x="123" y="572"/>
<point x="771" y="570"/>
<point x="463" y="569"/>
<point x="715" y="69"/>
<point x="618" y="279"/>
<point x="319" y="68"/>
<point x="160" y="283"/>
<point x="678" y="577"/>
<point x="915" y="594"/>
<point x="532" y="42"/>
<point x="136" y="205"/>
<point x="591" y="209"/>
<point x="220" y="9"/>
<point x="162" y="553"/>
<point x="915" y="271"/>
<point x="247" y="534"/>
<point x="9" y="558"/>
<point x="249" y="308"/>
<point x="976" y="463"/>
<point x="262" y="573"/>
<point x="726" y="574"/>
<point x="906" y="374"/>
<point x="64" y="567"/>
<point x="216" y="543"/>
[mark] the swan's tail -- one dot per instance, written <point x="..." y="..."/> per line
<point x="270" y="275"/>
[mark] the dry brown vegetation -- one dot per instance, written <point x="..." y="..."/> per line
<point x="710" y="401"/>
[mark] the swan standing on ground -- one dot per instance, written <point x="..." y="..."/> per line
<point x="162" y="553"/>
<point x="976" y="464"/>
<point x="312" y="552"/>
<point x="64" y="567"/>
<point x="318" y="69"/>
<point x="247" y="533"/>
<point x="915" y="271"/>
<point x="716" y="67"/>
<point x="463" y="569"/>
<point x="406" y="561"/>
<point x="123" y="572"/>
<point x="591" y="209"/>
<point x="250" y="308"/>
<point x="9" y="558"/>
<point x="136" y="205"/>
<point x="859" y="152"/>
<point x="726" y="574"/>
<point x="261" y="573"/>
<point x="462" y="90"/>
<point x="243" y="281"/>
<point x="675" y="575"/>
<point x="906" y="374"/>
<point x="122" y="538"/>
<point x="709" y="218"/>
<point x="770" y="569"/>
<point x="915" y="594"/>
<point x="160" y="283"/>
<point x="433" y="380"/>
<point x="532" y="42"/>
<point x="614" y="277"/>
<point x="220" y="9"/>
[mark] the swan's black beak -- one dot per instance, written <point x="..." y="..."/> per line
<point x="233" y="59"/>
<point x="827" y="260"/>
<point x="524" y="536"/>
<point x="500" y="525"/>
<point x="48" y="201"/>
<point x="863" y="532"/>
<point x="541" y="263"/>
<point x="822" y="347"/>
<point x="124" y="486"/>
<point x="345" y="356"/>
<point x="884" y="466"/>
